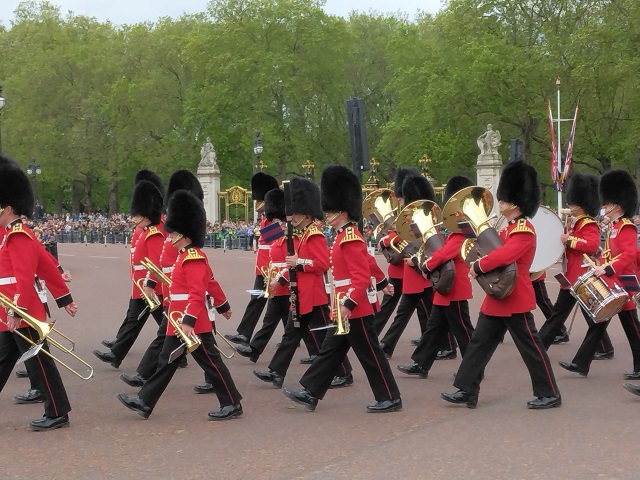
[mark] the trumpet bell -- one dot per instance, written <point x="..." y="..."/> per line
<point x="471" y="204"/>
<point x="418" y="221"/>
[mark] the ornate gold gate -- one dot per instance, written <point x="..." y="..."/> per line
<point x="235" y="195"/>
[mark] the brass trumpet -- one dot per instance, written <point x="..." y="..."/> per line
<point x="189" y="342"/>
<point x="266" y="274"/>
<point x="156" y="271"/>
<point x="152" y="301"/>
<point x="342" y="325"/>
<point x="44" y="330"/>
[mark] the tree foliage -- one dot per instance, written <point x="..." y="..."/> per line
<point x="94" y="102"/>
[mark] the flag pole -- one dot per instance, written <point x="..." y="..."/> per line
<point x="559" y="151"/>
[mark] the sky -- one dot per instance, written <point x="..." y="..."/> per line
<point x="134" y="11"/>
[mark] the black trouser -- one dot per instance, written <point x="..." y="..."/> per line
<point x="277" y="310"/>
<point x="631" y="326"/>
<point x="486" y="337"/>
<point x="209" y="359"/>
<point x="542" y="297"/>
<point x="388" y="305"/>
<point x="454" y="318"/>
<point x="362" y="338"/>
<point x="317" y="317"/>
<point x="409" y="302"/>
<point x="253" y="311"/>
<point x="132" y="327"/>
<point x="555" y="322"/>
<point x="42" y="369"/>
<point x="149" y="362"/>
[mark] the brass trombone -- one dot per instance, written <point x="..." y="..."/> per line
<point x="149" y="265"/>
<point x="44" y="330"/>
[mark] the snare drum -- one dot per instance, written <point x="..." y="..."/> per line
<point x="598" y="298"/>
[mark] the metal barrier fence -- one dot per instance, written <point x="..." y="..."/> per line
<point x="212" y="240"/>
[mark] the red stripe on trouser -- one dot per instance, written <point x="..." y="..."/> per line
<point x="462" y="322"/>
<point x="44" y="375"/>
<point x="546" y="368"/>
<point x="324" y="318"/>
<point x="233" y="402"/>
<point x="375" y="358"/>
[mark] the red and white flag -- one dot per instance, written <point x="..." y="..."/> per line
<point x="555" y="174"/>
<point x="567" y="164"/>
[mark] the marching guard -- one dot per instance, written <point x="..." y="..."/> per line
<point x="581" y="238"/>
<point x="146" y="209"/>
<point x="342" y="202"/>
<point x="619" y="197"/>
<point x="519" y="197"/>
<point x="190" y="282"/>
<point x="22" y="256"/>
<point x="450" y="311"/>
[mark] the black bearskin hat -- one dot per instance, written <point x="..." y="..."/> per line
<point x="581" y="191"/>
<point x="617" y="187"/>
<point x="150" y="177"/>
<point x="455" y="184"/>
<point x="341" y="191"/>
<point x="401" y="174"/>
<point x="183" y="180"/>
<point x="305" y="198"/>
<point x="261" y="183"/>
<point x="15" y="190"/>
<point x="519" y="185"/>
<point x="186" y="215"/>
<point x="274" y="205"/>
<point x="146" y="201"/>
<point x="4" y="160"/>
<point x="416" y="187"/>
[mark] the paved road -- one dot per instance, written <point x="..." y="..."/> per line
<point x="593" y="436"/>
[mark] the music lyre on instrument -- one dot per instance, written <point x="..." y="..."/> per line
<point x="44" y="331"/>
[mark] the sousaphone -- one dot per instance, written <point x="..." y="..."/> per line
<point x="418" y="224"/>
<point x="467" y="211"/>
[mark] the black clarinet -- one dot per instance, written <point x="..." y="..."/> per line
<point x="293" y="282"/>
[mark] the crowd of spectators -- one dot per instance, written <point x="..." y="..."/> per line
<point x="100" y="228"/>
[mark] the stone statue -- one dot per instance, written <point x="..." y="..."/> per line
<point x="208" y="155"/>
<point x="489" y="141"/>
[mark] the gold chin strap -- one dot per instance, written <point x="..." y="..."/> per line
<point x="1" y="210"/>
<point x="331" y="218"/>
<point x="177" y="238"/>
<point x="511" y="207"/>
<point x="611" y="209"/>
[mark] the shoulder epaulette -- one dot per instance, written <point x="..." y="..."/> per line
<point x="153" y="230"/>
<point x="522" y="227"/>
<point x="587" y="220"/>
<point x="314" y="230"/>
<point x="626" y="221"/>
<point x="351" y="236"/>
<point x="18" y="228"/>
<point x="193" y="254"/>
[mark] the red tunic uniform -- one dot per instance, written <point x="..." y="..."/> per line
<point x="313" y="261"/>
<point x="519" y="239"/>
<point x="351" y="277"/>
<point x="192" y="280"/>
<point x="584" y="237"/>
<point x="394" y="271"/>
<point x="21" y="258"/>
<point x="412" y="281"/>
<point x="262" y="258"/>
<point x="148" y="245"/>
<point x="619" y="254"/>
<point x="277" y="265"/>
<point x="461" y="289"/>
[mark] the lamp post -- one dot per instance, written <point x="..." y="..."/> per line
<point x="257" y="150"/>
<point x="424" y="164"/>
<point x="33" y="170"/>
<point x="1" y="106"/>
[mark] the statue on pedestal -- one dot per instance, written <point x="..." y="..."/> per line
<point x="208" y="155"/>
<point x="489" y="141"/>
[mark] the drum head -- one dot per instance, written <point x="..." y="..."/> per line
<point x="549" y="247"/>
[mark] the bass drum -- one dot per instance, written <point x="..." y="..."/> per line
<point x="549" y="247"/>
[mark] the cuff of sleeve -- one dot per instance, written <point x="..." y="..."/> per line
<point x="64" y="300"/>
<point x="150" y="283"/>
<point x="282" y="281"/>
<point x="382" y="284"/>
<point x="350" y="304"/>
<point x="300" y="268"/>
<point x="477" y="269"/>
<point x="60" y="269"/>
<point x="609" y="271"/>
<point x="189" y="320"/>
<point x="223" y="308"/>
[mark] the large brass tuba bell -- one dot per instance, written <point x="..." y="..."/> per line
<point x="380" y="208"/>
<point x="467" y="211"/>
